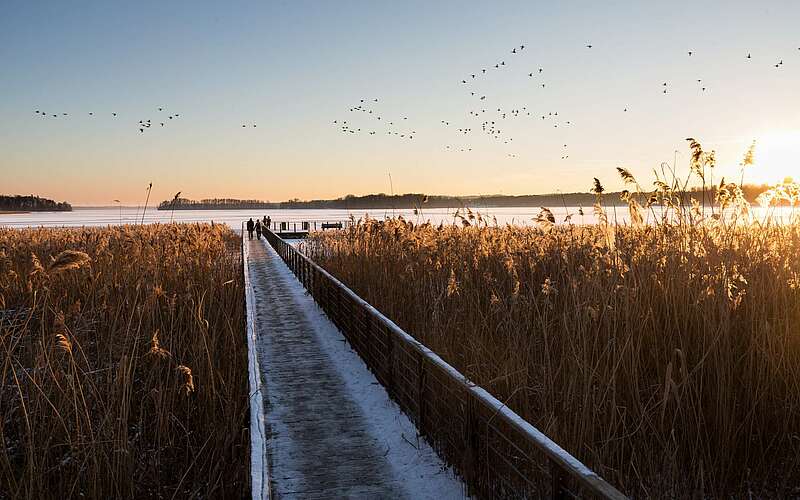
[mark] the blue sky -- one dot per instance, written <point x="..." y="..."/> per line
<point x="294" y="67"/>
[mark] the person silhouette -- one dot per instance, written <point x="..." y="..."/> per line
<point x="258" y="229"/>
<point x="250" y="227"/>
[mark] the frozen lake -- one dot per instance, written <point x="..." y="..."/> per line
<point x="234" y="218"/>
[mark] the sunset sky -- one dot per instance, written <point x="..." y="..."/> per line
<point x="294" y="67"/>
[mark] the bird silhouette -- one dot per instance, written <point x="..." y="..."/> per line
<point x="690" y="53"/>
<point x="748" y="55"/>
<point x="588" y="46"/>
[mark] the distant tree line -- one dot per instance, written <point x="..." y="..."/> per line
<point x="212" y="204"/>
<point x="419" y="200"/>
<point x="32" y="203"/>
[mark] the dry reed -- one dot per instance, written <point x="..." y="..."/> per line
<point x="123" y="370"/>
<point x="664" y="355"/>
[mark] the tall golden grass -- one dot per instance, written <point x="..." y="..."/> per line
<point x="664" y="355"/>
<point x="123" y="366"/>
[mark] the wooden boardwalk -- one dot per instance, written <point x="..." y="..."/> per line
<point x="319" y="442"/>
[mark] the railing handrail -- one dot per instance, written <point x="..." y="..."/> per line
<point x="569" y="464"/>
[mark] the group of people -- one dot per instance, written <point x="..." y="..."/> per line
<point x="259" y="226"/>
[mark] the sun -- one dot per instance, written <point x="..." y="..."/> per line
<point x="777" y="156"/>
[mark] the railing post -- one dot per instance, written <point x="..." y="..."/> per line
<point x="421" y="374"/>
<point x="473" y="467"/>
<point x="557" y="482"/>
<point x="390" y="363"/>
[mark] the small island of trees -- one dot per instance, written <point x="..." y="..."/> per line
<point x="18" y="203"/>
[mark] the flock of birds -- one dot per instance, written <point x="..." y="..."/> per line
<point x="367" y="118"/>
<point x="368" y="108"/>
<point x="493" y="121"/>
<point x="143" y="125"/>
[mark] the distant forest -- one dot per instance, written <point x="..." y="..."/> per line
<point x="417" y="200"/>
<point x="32" y="204"/>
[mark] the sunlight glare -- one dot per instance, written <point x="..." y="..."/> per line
<point x="777" y="157"/>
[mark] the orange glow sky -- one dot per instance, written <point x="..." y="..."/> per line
<point x="294" y="67"/>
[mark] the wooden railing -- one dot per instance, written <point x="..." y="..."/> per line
<point x="498" y="453"/>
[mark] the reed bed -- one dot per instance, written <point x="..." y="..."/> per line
<point x="123" y="365"/>
<point x="666" y="356"/>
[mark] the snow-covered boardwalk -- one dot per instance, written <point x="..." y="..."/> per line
<point x="332" y="431"/>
